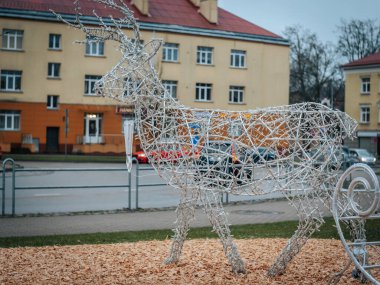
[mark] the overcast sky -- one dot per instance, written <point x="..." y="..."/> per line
<point x="318" y="16"/>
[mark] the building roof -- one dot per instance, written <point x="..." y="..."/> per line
<point x="175" y="15"/>
<point x="368" y="61"/>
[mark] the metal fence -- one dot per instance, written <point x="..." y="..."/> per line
<point x="9" y="166"/>
<point x="11" y="172"/>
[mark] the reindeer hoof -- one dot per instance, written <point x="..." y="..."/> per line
<point x="238" y="267"/>
<point x="170" y="260"/>
<point x="272" y="272"/>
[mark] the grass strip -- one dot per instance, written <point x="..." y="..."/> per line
<point x="269" y="230"/>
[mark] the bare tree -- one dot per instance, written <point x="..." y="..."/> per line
<point x="312" y="66"/>
<point x="358" y="38"/>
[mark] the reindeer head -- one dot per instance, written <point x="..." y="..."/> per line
<point x="134" y="75"/>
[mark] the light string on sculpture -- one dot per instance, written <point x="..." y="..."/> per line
<point x="293" y="149"/>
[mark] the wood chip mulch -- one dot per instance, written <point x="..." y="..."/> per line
<point x="202" y="262"/>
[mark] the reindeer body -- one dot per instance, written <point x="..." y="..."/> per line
<point x="304" y="139"/>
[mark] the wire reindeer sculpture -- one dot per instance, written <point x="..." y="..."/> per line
<point x="293" y="149"/>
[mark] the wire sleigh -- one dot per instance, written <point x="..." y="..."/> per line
<point x="293" y="149"/>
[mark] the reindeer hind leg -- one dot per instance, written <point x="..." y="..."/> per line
<point x="310" y="221"/>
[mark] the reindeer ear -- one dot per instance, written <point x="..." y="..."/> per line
<point x="152" y="47"/>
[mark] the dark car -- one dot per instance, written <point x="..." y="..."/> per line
<point x="348" y="159"/>
<point x="223" y="161"/>
<point x="339" y="158"/>
<point x="263" y="154"/>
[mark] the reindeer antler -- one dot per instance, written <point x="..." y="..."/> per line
<point x="112" y="31"/>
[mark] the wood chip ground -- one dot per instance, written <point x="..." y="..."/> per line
<point x="202" y="262"/>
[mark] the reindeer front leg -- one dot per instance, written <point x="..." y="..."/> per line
<point x="185" y="215"/>
<point x="212" y="203"/>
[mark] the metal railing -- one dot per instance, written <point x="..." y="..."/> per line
<point x="9" y="166"/>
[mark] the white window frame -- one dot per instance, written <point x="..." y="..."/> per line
<point x="203" y="92"/>
<point x="10" y="120"/>
<point x="131" y="86"/>
<point x="94" y="47"/>
<point x="55" y="41"/>
<point x="12" y="79"/>
<point x="54" y="69"/>
<point x="170" y="52"/>
<point x="365" y="85"/>
<point x="236" y="94"/>
<point x="94" y="136"/>
<point x="12" y="39"/>
<point x="89" y="84"/>
<point x="52" y="102"/>
<point x="205" y="55"/>
<point x="171" y="88"/>
<point x="237" y="58"/>
<point x="365" y="114"/>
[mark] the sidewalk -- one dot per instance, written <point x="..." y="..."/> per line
<point x="264" y="212"/>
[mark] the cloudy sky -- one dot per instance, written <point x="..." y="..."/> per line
<point x="318" y="16"/>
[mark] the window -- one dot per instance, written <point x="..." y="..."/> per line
<point x="12" y="39"/>
<point x="54" y="41"/>
<point x="89" y="84"/>
<point x="236" y="94"/>
<point x="93" y="128"/>
<point x="94" y="47"/>
<point x="203" y="92"/>
<point x="9" y="120"/>
<point x="366" y="85"/>
<point x="131" y="86"/>
<point x="53" y="69"/>
<point x="52" y="102"/>
<point x="204" y="55"/>
<point x="170" y="87"/>
<point x="10" y="80"/>
<point x="237" y="58"/>
<point x="170" y="52"/>
<point x="365" y="114"/>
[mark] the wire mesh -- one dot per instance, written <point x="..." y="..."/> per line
<point x="294" y="149"/>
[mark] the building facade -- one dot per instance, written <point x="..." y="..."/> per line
<point x="210" y="58"/>
<point x="362" y="100"/>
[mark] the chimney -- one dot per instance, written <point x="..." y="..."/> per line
<point x="208" y="9"/>
<point x="142" y="6"/>
<point x="196" y="2"/>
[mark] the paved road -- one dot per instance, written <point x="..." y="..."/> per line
<point x="243" y="213"/>
<point x="60" y="199"/>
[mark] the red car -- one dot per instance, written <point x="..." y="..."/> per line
<point x="164" y="155"/>
<point x="140" y="156"/>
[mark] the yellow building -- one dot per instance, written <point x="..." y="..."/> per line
<point x="362" y="100"/>
<point x="210" y="59"/>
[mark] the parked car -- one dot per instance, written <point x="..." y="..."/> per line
<point x="348" y="159"/>
<point x="363" y="155"/>
<point x="262" y="154"/>
<point x="167" y="152"/>
<point x="223" y="160"/>
<point x="340" y="159"/>
<point x="140" y="156"/>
